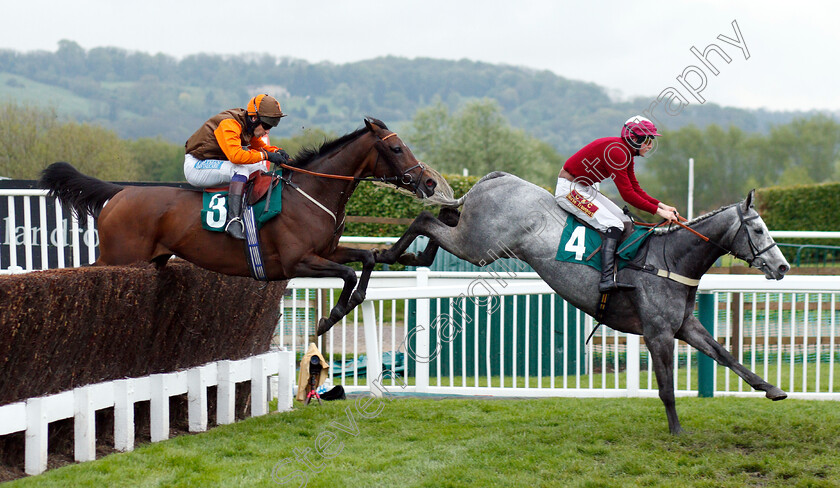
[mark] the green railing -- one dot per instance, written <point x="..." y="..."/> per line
<point x="811" y="254"/>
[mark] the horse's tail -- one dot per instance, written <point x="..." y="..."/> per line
<point x="456" y="203"/>
<point x="86" y="195"/>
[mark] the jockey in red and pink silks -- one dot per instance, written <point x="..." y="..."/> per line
<point x="609" y="157"/>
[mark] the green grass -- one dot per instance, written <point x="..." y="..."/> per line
<point x="682" y="383"/>
<point x="734" y="442"/>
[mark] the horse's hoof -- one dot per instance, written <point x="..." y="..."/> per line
<point x="776" y="394"/>
<point x="323" y="326"/>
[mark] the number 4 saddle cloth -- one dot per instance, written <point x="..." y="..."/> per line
<point x="581" y="244"/>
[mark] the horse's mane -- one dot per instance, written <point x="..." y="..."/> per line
<point x="690" y="223"/>
<point x="309" y="154"/>
<point x="443" y="192"/>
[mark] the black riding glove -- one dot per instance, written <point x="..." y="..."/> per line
<point x="278" y="157"/>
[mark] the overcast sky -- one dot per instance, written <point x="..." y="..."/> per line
<point x="633" y="48"/>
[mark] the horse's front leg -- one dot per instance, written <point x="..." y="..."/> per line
<point x="420" y="226"/>
<point x="660" y="343"/>
<point x="317" y="267"/>
<point x="344" y="255"/>
<point x="693" y="332"/>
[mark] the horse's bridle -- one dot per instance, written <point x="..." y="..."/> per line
<point x="753" y="248"/>
<point x="406" y="178"/>
<point x="756" y="252"/>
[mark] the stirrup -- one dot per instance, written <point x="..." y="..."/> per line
<point x="609" y="286"/>
<point x="236" y="232"/>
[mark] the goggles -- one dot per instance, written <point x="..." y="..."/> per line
<point x="268" y="123"/>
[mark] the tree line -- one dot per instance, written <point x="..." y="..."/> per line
<point x="477" y="137"/>
<point x="141" y="95"/>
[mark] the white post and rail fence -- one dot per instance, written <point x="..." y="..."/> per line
<point x="785" y="331"/>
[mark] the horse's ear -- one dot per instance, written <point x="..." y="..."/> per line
<point x="368" y="124"/>
<point x="749" y="202"/>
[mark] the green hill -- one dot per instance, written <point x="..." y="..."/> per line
<point x="143" y="95"/>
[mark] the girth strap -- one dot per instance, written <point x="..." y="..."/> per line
<point x="677" y="277"/>
<point x="685" y="280"/>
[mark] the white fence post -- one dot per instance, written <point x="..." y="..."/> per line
<point x="197" y="398"/>
<point x="36" y="437"/>
<point x="286" y="381"/>
<point x="225" y="394"/>
<point x="159" y="408"/>
<point x="124" y="414"/>
<point x="421" y="348"/>
<point x="633" y="344"/>
<point x="374" y="356"/>
<point x="259" y="386"/>
<point x="84" y="425"/>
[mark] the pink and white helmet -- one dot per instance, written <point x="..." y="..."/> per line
<point x="638" y="128"/>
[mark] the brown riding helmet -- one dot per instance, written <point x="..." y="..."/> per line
<point x="267" y="108"/>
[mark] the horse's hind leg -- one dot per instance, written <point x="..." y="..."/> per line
<point x="693" y="332"/>
<point x="344" y="255"/>
<point x="426" y="257"/>
<point x="661" y="347"/>
<point x="425" y="224"/>
<point x="313" y="266"/>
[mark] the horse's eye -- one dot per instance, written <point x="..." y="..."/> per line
<point x="759" y="231"/>
<point x="396" y="149"/>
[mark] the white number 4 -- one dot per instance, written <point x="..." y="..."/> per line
<point x="576" y="243"/>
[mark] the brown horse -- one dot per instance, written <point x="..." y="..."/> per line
<point x="151" y="224"/>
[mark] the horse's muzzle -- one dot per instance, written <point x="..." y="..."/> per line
<point x="772" y="273"/>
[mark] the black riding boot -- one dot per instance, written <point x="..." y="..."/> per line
<point x="608" y="248"/>
<point x="235" y="227"/>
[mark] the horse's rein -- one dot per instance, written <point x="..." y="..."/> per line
<point x="341" y="177"/>
<point x="313" y="173"/>
<point x="678" y="222"/>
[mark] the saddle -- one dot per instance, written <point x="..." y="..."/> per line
<point x="258" y="185"/>
<point x="255" y="188"/>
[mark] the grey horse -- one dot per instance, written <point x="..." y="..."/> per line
<point x="505" y="216"/>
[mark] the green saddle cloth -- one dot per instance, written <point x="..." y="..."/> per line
<point x="214" y="209"/>
<point x="578" y="242"/>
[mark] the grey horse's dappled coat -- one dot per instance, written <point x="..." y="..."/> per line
<point x="505" y="216"/>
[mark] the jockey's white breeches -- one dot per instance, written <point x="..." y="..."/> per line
<point x="589" y="205"/>
<point x="207" y="173"/>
